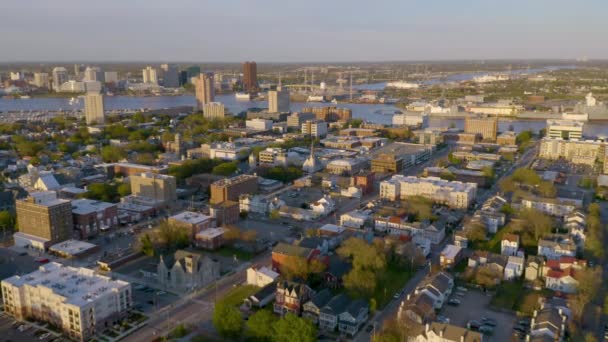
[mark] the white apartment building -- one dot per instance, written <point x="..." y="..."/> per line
<point x="314" y="128"/>
<point x="551" y="206"/>
<point x="355" y="219"/>
<point x="77" y="300"/>
<point x="149" y="75"/>
<point x="411" y="119"/>
<point x="575" y="151"/>
<point x="278" y="156"/>
<point x="94" y="104"/>
<point x="565" y="129"/>
<point x="228" y="151"/>
<point x="259" y="124"/>
<point x="451" y="193"/>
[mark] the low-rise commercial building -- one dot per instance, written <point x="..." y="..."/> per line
<point x="395" y="157"/>
<point x="230" y="189"/>
<point x="314" y="128"/>
<point x="565" y="129"/>
<point x="90" y="217"/>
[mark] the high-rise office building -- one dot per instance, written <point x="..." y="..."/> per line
<point x="41" y="80"/>
<point x="93" y="104"/>
<point x="487" y="127"/>
<point x="93" y="74"/>
<point x="278" y="101"/>
<point x="111" y="77"/>
<point x="205" y="93"/>
<point x="149" y="75"/>
<point x="170" y="75"/>
<point x="250" y="77"/>
<point x="43" y="220"/>
<point x="60" y="76"/>
<point x="192" y="72"/>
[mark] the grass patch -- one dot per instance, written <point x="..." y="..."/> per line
<point x="231" y="252"/>
<point x="236" y="296"/>
<point x="389" y="282"/>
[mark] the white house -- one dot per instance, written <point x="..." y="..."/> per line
<point x="509" y="245"/>
<point x="514" y="268"/>
<point x="261" y="276"/>
<point x="561" y="280"/>
<point x="553" y="249"/>
<point x="355" y="218"/>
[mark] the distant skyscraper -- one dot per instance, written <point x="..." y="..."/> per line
<point x="93" y="74"/>
<point x="111" y="77"/>
<point x="250" y="76"/>
<point x="41" y="80"/>
<point x="278" y="101"/>
<point x="60" y="76"/>
<point x="93" y="104"/>
<point x="16" y="76"/>
<point x="170" y="75"/>
<point x="205" y="93"/>
<point x="149" y="75"/>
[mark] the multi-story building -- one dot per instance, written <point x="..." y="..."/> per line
<point x="90" y="217"/>
<point x="41" y="80"/>
<point x="204" y="89"/>
<point x="429" y="136"/>
<point x="346" y="166"/>
<point x="507" y="138"/>
<point x="364" y="181"/>
<point x="110" y="77"/>
<point x="130" y="169"/>
<point x="76" y="300"/>
<point x="193" y="222"/>
<point x="170" y="75"/>
<point x="314" y="128"/>
<point x="149" y="75"/>
<point x="43" y="220"/>
<point x="552" y="206"/>
<point x="93" y="104"/>
<point x="214" y="110"/>
<point x="278" y="156"/>
<point x="226" y="151"/>
<point x="565" y="129"/>
<point x="159" y="188"/>
<point x="278" y="101"/>
<point x="396" y="157"/>
<point x="453" y="194"/>
<point x="411" y="119"/>
<point x="290" y="297"/>
<point x="487" y="127"/>
<point x="250" y="77"/>
<point x="259" y="124"/>
<point x="330" y="113"/>
<point x="60" y="76"/>
<point x="298" y="118"/>
<point x="226" y="212"/>
<point x="230" y="189"/>
<point x="575" y="151"/>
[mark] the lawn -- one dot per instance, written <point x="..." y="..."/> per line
<point x="514" y="296"/>
<point x="236" y="296"/>
<point x="391" y="281"/>
<point x="231" y="251"/>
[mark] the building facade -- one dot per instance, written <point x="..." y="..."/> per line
<point x="204" y="89"/>
<point x="487" y="127"/>
<point x="44" y="216"/>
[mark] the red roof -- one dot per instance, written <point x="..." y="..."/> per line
<point x="511" y="237"/>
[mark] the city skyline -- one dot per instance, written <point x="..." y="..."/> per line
<point x="270" y="31"/>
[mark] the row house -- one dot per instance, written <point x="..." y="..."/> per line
<point x="438" y="287"/>
<point x="395" y="225"/>
<point x="555" y="247"/>
<point x="290" y="297"/>
<point x="509" y="245"/>
<point x="576" y="223"/>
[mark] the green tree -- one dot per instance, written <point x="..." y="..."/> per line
<point x="259" y="326"/>
<point x="124" y="189"/>
<point x="146" y="246"/>
<point x="488" y="172"/>
<point x="102" y="192"/>
<point x="112" y="154"/>
<point x="225" y="169"/>
<point x="292" y="328"/>
<point x="228" y="321"/>
<point x="476" y="232"/>
<point x="546" y="189"/>
<point x="368" y="261"/>
<point x="536" y="222"/>
<point x="526" y="176"/>
<point x="523" y="137"/>
<point x="172" y="236"/>
<point x="373" y="305"/>
<point x="274" y="214"/>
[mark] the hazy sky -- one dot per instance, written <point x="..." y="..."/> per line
<point x="300" y="30"/>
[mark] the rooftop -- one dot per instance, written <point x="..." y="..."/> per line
<point x="190" y="217"/>
<point x="210" y="233"/>
<point x="72" y="247"/>
<point x="87" y="206"/>
<point x="79" y="286"/>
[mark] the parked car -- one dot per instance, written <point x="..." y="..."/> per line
<point x="473" y="325"/>
<point x="396" y="295"/>
<point x="486" y="330"/>
<point x="42" y="260"/>
<point x="454" y="302"/>
<point x="489" y="321"/>
<point x="443" y="319"/>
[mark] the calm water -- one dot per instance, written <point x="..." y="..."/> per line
<point x="376" y="113"/>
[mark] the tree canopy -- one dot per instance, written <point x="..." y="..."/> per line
<point x="292" y="328"/>
<point x="228" y="321"/>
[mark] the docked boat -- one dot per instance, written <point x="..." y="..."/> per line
<point x="402" y="85"/>
<point x="243" y="96"/>
<point x="315" y="98"/>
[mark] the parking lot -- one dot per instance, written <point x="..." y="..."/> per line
<point x="474" y="307"/>
<point x="14" y="331"/>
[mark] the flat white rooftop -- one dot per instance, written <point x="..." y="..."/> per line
<point x="87" y="206"/>
<point x="210" y="233"/>
<point x="190" y="217"/>
<point x="72" y="247"/>
<point x="79" y="286"/>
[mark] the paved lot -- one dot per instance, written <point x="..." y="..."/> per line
<point x="12" y="263"/>
<point x="475" y="306"/>
<point x="10" y="333"/>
